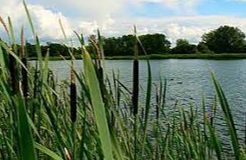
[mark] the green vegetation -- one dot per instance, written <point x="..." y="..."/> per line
<point x="217" y="44"/>
<point x="156" y="44"/>
<point x="43" y="119"/>
<point x="222" y="56"/>
<point x="225" y="39"/>
<point x="183" y="47"/>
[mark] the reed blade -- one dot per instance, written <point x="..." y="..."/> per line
<point x="98" y="106"/>
<point x="228" y="117"/>
<point x="26" y="143"/>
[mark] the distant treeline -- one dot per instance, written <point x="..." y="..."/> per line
<point x="225" y="39"/>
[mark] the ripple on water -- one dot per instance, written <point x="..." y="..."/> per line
<point x="187" y="80"/>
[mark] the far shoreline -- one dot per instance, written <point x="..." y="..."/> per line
<point x="223" y="56"/>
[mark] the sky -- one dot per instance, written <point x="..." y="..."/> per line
<point x="188" y="19"/>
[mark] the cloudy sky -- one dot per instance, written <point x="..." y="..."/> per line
<point x="176" y="18"/>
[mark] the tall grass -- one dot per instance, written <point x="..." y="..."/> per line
<point x="100" y="118"/>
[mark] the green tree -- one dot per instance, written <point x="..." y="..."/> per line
<point x="110" y="46"/>
<point x="182" y="42"/>
<point x="119" y="46"/>
<point x="126" y="45"/>
<point x="225" y="39"/>
<point x="203" y="48"/>
<point x="56" y="49"/>
<point x="31" y="50"/>
<point x="155" y="43"/>
<point x="152" y="43"/>
<point x="184" y="47"/>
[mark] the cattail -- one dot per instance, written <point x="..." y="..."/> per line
<point x="157" y="104"/>
<point x="23" y="70"/>
<point x="13" y="74"/>
<point x="24" y="78"/>
<point x="35" y="81"/>
<point x="100" y="73"/>
<point x="73" y="97"/>
<point x="135" y="91"/>
<point x="100" y="45"/>
<point x="12" y="63"/>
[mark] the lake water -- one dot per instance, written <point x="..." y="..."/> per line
<point x="187" y="81"/>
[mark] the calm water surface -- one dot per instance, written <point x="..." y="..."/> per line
<point x="187" y="81"/>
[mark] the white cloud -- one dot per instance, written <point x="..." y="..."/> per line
<point x="90" y="10"/>
<point x="88" y="27"/>
<point x="46" y="22"/>
<point x="112" y="22"/>
<point x="189" y="27"/>
<point x="182" y="5"/>
<point x="179" y="6"/>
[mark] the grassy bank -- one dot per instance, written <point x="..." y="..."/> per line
<point x="224" y="56"/>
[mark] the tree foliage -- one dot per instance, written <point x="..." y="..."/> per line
<point x="153" y="44"/>
<point x="184" y="47"/>
<point x="225" y="39"/>
<point x="54" y="49"/>
<point x="203" y="48"/>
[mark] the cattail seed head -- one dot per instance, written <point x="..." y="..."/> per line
<point x="73" y="97"/>
<point x="157" y="103"/>
<point x="135" y="92"/>
<point x="24" y="78"/>
<point x="13" y="74"/>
